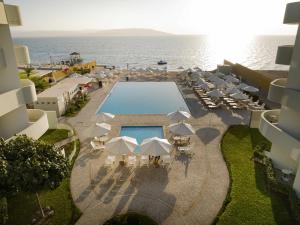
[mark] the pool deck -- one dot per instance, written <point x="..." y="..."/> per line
<point x="190" y="191"/>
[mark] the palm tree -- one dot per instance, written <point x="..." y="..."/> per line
<point x="28" y="71"/>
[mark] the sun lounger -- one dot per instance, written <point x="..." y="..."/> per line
<point x="144" y="160"/>
<point x="184" y="149"/>
<point x="110" y="160"/>
<point x="97" y="145"/>
<point x="166" y="160"/>
<point x="131" y="160"/>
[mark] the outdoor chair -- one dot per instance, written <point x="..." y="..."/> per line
<point x="144" y="161"/>
<point x="97" y="146"/>
<point x="110" y="160"/>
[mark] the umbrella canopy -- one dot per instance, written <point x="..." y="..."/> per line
<point x="239" y="96"/>
<point x="178" y="116"/>
<point x="121" y="145"/>
<point x="103" y="116"/>
<point x="242" y="85"/>
<point x="219" y="82"/>
<point x="250" y="89"/>
<point x="104" y="128"/>
<point x="215" y="93"/>
<point x="232" y="79"/>
<point x="155" y="146"/>
<point x="206" y="86"/>
<point x="232" y="90"/>
<point x="182" y="129"/>
<point x="219" y="74"/>
<point x="213" y="77"/>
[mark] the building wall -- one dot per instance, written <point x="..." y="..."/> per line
<point x="13" y="122"/>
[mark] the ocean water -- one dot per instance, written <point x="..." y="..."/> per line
<point x="143" y="98"/>
<point x="257" y="52"/>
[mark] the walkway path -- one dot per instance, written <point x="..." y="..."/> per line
<point x="191" y="191"/>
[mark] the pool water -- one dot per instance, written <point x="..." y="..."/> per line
<point x="144" y="98"/>
<point x="142" y="132"/>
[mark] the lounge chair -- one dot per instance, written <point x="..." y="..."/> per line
<point x="187" y="150"/>
<point x="110" y="160"/>
<point x="97" y="146"/>
<point x="131" y="160"/>
<point x="144" y="160"/>
<point x="165" y="160"/>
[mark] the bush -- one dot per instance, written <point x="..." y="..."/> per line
<point x="3" y="211"/>
<point x="295" y="205"/>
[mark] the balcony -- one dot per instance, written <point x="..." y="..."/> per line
<point x="292" y="15"/>
<point x="276" y="90"/>
<point x="29" y="92"/>
<point x="13" y="15"/>
<point x="38" y="123"/>
<point x="284" y="54"/>
<point x="270" y="129"/>
<point x="11" y="100"/>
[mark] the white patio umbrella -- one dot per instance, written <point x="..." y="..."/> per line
<point x="215" y="93"/>
<point x="231" y="79"/>
<point x="239" y="96"/>
<point x="178" y="116"/>
<point x="250" y="89"/>
<point x="232" y="90"/>
<point x="103" y="128"/>
<point x="213" y="77"/>
<point x="242" y="85"/>
<point x="219" y="82"/>
<point x="182" y="129"/>
<point x="103" y="116"/>
<point x="219" y="74"/>
<point x="121" y="145"/>
<point x="155" y="147"/>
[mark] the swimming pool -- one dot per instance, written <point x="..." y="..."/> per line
<point x="144" y="98"/>
<point x="142" y="132"/>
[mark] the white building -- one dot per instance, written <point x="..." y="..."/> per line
<point x="15" y="118"/>
<point x="59" y="96"/>
<point x="282" y="126"/>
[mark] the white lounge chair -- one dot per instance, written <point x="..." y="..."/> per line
<point x="110" y="160"/>
<point x="132" y="160"/>
<point x="97" y="146"/>
<point x="166" y="160"/>
<point x="144" y="160"/>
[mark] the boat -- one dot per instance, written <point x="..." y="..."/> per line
<point x="161" y="62"/>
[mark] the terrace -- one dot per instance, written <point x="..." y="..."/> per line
<point x="189" y="191"/>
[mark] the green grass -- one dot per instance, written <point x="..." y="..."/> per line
<point x="22" y="207"/>
<point x="131" y="219"/>
<point x="250" y="203"/>
<point x="54" y="135"/>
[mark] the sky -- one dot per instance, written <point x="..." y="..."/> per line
<point x="247" y="17"/>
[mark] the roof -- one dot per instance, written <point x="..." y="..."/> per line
<point x="65" y="85"/>
<point x="75" y="53"/>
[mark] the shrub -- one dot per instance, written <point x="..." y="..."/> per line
<point x="295" y="205"/>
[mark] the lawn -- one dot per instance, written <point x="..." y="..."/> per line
<point x="54" y="135"/>
<point x="130" y="219"/>
<point x="23" y="206"/>
<point x="250" y="203"/>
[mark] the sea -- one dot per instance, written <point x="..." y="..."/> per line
<point x="256" y="52"/>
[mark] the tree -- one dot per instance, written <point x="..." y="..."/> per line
<point x="39" y="83"/>
<point x="28" y="71"/>
<point x="31" y="166"/>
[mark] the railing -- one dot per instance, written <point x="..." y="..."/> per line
<point x="38" y="123"/>
<point x="268" y="124"/>
<point x="276" y="90"/>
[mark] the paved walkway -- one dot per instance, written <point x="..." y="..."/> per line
<point x="191" y="191"/>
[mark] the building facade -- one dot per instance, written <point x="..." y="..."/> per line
<point x="15" y="94"/>
<point x="282" y="126"/>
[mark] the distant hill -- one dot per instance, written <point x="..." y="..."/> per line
<point x="140" y="32"/>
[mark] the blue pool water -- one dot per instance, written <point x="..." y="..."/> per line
<point x="144" y="98"/>
<point x="141" y="132"/>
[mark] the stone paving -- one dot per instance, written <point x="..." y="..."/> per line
<point x="190" y="191"/>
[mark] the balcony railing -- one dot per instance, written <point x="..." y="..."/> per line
<point x="38" y="123"/>
<point x="276" y="90"/>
